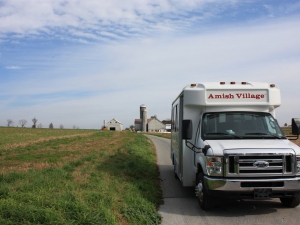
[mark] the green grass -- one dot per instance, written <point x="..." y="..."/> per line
<point x="287" y="131"/>
<point x="95" y="177"/>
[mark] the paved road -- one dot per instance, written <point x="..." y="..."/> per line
<point x="181" y="207"/>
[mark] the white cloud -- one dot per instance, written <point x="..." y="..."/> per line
<point x="34" y="17"/>
<point x="86" y="84"/>
<point x="160" y="68"/>
<point x="13" y="67"/>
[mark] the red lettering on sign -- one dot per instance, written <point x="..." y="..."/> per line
<point x="238" y="95"/>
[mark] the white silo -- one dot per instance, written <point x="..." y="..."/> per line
<point x="143" y="117"/>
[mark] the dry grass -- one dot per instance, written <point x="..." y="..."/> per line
<point x="31" y="142"/>
<point x="79" y="176"/>
<point x="63" y="150"/>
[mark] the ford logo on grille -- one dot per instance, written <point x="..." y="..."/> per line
<point x="261" y="164"/>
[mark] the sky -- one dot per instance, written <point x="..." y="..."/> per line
<point x="78" y="63"/>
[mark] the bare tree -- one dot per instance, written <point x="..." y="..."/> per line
<point x="9" y="122"/>
<point x="40" y="125"/>
<point x="51" y="126"/>
<point x="34" y="120"/>
<point x="22" y="122"/>
<point x="61" y="126"/>
<point x="75" y="127"/>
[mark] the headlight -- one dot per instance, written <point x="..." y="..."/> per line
<point x="298" y="165"/>
<point x="214" y="166"/>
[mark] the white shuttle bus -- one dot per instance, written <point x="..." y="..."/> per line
<point x="227" y="143"/>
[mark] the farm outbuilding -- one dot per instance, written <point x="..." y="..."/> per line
<point x="148" y="125"/>
<point x="114" y="124"/>
<point x="155" y="125"/>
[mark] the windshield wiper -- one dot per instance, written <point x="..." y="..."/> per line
<point x="224" y="134"/>
<point x="257" y="133"/>
<point x="260" y="133"/>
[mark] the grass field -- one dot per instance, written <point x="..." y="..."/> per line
<point x="50" y="176"/>
<point x="286" y="130"/>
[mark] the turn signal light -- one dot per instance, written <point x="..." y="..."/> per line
<point x="233" y="82"/>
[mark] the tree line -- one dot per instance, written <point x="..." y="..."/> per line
<point x="23" y="122"/>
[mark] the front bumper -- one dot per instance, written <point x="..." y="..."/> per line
<point x="244" y="188"/>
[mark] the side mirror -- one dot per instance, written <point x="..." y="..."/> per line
<point x="295" y="126"/>
<point x="187" y="129"/>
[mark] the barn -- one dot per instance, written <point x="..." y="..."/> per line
<point x="148" y="125"/>
<point x="114" y="124"/>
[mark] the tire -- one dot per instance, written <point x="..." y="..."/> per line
<point x="206" y="201"/>
<point x="291" y="202"/>
<point x="175" y="174"/>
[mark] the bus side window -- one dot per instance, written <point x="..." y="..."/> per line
<point x="175" y="119"/>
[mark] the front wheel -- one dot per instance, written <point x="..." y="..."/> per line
<point x="291" y="202"/>
<point x="175" y="174"/>
<point x="206" y="201"/>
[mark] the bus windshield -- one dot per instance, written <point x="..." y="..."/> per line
<point x="240" y="125"/>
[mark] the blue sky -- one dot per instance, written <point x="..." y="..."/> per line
<point x="79" y="63"/>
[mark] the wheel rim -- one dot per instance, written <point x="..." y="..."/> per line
<point x="199" y="191"/>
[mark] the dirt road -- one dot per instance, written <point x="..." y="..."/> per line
<point x="181" y="207"/>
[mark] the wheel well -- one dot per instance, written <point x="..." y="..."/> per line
<point x="173" y="158"/>
<point x="199" y="169"/>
